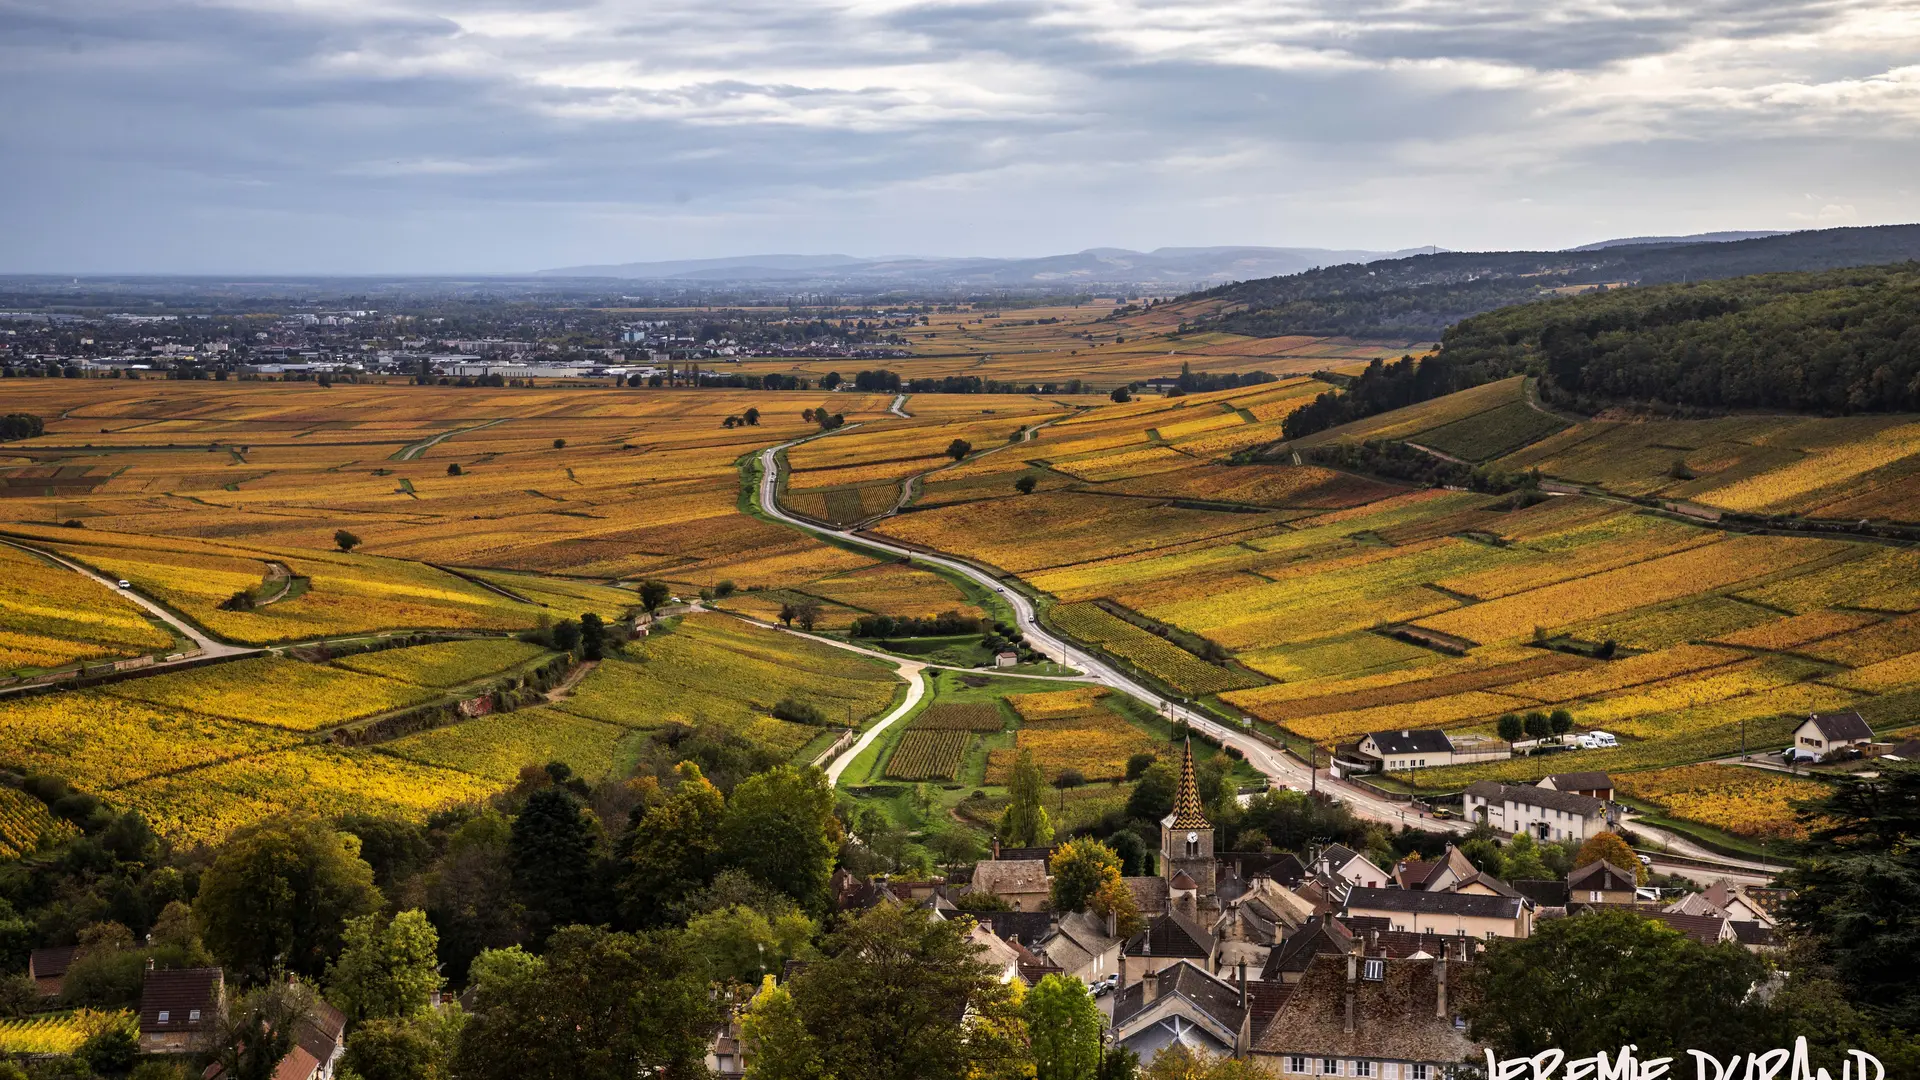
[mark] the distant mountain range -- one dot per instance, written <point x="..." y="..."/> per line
<point x="1180" y="268"/>
<point x="1417" y="298"/>
<point x="1695" y="238"/>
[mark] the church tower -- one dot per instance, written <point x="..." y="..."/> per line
<point x="1186" y="836"/>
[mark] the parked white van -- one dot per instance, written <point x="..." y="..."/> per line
<point x="1598" y="740"/>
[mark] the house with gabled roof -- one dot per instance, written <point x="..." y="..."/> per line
<point x="1022" y="883"/>
<point x="1592" y="784"/>
<point x="180" y="1008"/>
<point x="1338" y="862"/>
<point x="1602" y="883"/>
<point x="1408" y="748"/>
<point x="48" y="967"/>
<point x="1543" y="813"/>
<point x="1183" y="1004"/>
<point x="1821" y="734"/>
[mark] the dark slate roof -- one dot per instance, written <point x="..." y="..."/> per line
<point x="1393" y="1016"/>
<point x="321" y="1030"/>
<point x="1581" y="781"/>
<point x="1488" y="880"/>
<point x="1908" y="750"/>
<point x="1495" y="792"/>
<point x="177" y="993"/>
<point x="1217" y="998"/>
<point x="1171" y="935"/>
<point x="1753" y="933"/>
<point x="1264" y="999"/>
<point x="1702" y="928"/>
<point x="1542" y="891"/>
<point x="1028" y="927"/>
<point x="1602" y="875"/>
<point x="1844" y="726"/>
<point x="1293" y="954"/>
<point x="1446" y="903"/>
<point x="1412" y="741"/>
<point x="53" y="962"/>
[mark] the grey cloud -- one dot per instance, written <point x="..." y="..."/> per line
<point x="184" y="135"/>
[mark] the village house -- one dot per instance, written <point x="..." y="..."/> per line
<point x="1446" y="914"/>
<point x="1823" y="733"/>
<point x="179" y="1009"/>
<point x="1083" y="945"/>
<point x="48" y="967"/>
<point x="1601" y="883"/>
<point x="1543" y="813"/>
<point x="1594" y="785"/>
<point x="1186" y="1005"/>
<point x="1337" y="862"/>
<point x="1417" y="748"/>
<point x="1379" y="1017"/>
<point x="1022" y="883"/>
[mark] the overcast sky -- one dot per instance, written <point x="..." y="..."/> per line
<point x="508" y="135"/>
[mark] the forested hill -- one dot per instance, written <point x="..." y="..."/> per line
<point x="1833" y="342"/>
<point x="1416" y="298"/>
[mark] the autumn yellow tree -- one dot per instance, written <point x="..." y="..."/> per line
<point x="1612" y="848"/>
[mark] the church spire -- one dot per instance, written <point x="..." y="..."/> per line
<point x="1187" y="811"/>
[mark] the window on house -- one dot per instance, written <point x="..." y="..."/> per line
<point x="1329" y="1066"/>
<point x="1376" y="970"/>
<point x="1492" y="934"/>
<point x="1298" y="1064"/>
<point x="1363" y="1068"/>
<point x="193" y="1016"/>
<point x="1419" y="1072"/>
<point x="164" y="1014"/>
<point x="1593" y="895"/>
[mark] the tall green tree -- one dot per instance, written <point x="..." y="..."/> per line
<point x="389" y="967"/>
<point x="1856" y="894"/>
<point x="1600" y="981"/>
<point x="598" y="1005"/>
<point x="888" y="1001"/>
<point x="671" y="850"/>
<point x="742" y="943"/>
<point x="1079" y="868"/>
<point x="779" y="827"/>
<point x="1025" y="822"/>
<point x="554" y="848"/>
<point x="279" y="896"/>
<point x="1065" y="1025"/>
<point x="417" y="1047"/>
<point x="777" y="1043"/>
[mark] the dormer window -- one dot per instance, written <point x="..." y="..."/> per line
<point x="1375" y="970"/>
<point x="164" y="1015"/>
<point x="193" y="1016"/>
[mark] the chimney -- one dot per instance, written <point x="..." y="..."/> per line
<point x="1243" y="984"/>
<point x="1123" y="972"/>
<point x="1353" y="977"/>
<point x="1149" y="989"/>
<point x="1440" y="986"/>
<point x="1113" y="923"/>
